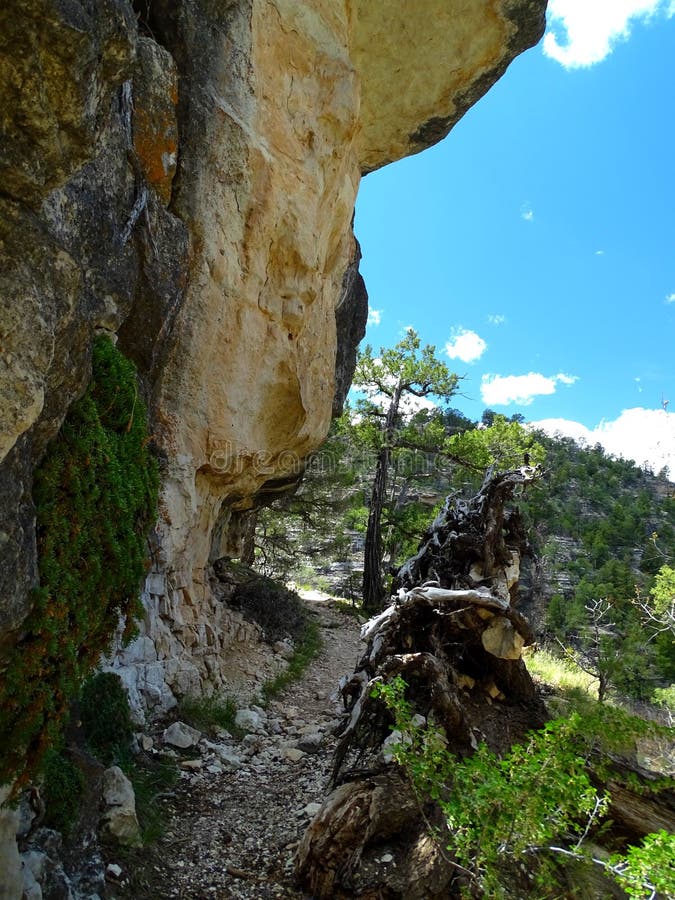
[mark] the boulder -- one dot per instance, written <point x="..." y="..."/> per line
<point x="119" y="820"/>
<point x="180" y="735"/>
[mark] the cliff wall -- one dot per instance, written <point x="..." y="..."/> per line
<point x="182" y="175"/>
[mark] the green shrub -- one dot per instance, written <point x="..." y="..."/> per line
<point x="106" y="717"/>
<point x="531" y="808"/>
<point x="279" y="611"/>
<point x="350" y="608"/>
<point x="665" y="698"/>
<point x="95" y="495"/>
<point x="62" y="789"/>
<point x="207" y="713"/>
<point x="152" y="779"/>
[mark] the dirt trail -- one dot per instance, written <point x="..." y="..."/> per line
<point x="235" y="821"/>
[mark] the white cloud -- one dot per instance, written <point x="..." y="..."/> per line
<point x="465" y="345"/>
<point x="409" y="402"/>
<point x="501" y="390"/>
<point x="670" y="298"/>
<point x="599" y="252"/>
<point x="646" y="436"/>
<point x="374" y="316"/>
<point x="526" y="212"/>
<point x="566" y="379"/>
<point x="412" y="404"/>
<point x="584" y="32"/>
<point x="496" y="319"/>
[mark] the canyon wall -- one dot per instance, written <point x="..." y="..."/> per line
<point x="182" y="175"/>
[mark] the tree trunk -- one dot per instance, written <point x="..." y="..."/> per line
<point x="373" y="588"/>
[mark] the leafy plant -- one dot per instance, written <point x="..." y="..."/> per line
<point x="503" y="810"/>
<point x="665" y="698"/>
<point x="96" y="496"/>
<point x="106" y="717"/>
<point x="62" y="789"/>
<point x="648" y="870"/>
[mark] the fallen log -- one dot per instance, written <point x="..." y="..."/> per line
<point x="453" y="632"/>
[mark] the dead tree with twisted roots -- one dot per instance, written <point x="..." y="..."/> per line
<point x="453" y="632"/>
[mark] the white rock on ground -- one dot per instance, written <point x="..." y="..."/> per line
<point x="249" y="720"/>
<point x="119" y="819"/>
<point x="178" y="734"/>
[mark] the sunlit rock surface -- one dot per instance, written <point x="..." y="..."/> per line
<point x="182" y="173"/>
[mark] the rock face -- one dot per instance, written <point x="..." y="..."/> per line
<point x="11" y="879"/>
<point x="182" y="173"/>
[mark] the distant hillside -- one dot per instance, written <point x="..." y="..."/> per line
<point x="599" y="528"/>
<point x="595" y="521"/>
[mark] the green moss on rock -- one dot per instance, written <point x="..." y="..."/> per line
<point x="96" y="497"/>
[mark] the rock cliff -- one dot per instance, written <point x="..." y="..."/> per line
<point x="182" y="174"/>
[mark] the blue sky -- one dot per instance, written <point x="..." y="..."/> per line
<point x="535" y="246"/>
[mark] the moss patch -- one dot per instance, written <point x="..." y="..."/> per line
<point x="96" y="497"/>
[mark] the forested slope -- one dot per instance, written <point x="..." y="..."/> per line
<point x="600" y="529"/>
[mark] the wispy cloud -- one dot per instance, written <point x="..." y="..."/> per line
<point x="465" y="345"/>
<point x="526" y="212"/>
<point x="502" y="390"/>
<point x="565" y="379"/>
<point x="496" y="319"/>
<point x="670" y="298"/>
<point x="584" y="32"/>
<point x="374" y="316"/>
<point x="599" y="252"/>
<point x="647" y="436"/>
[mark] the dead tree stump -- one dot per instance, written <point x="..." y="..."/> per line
<point x="455" y="635"/>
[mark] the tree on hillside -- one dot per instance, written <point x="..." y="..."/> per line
<point x="662" y="609"/>
<point x="390" y="382"/>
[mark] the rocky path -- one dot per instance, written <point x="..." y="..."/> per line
<point x="241" y="806"/>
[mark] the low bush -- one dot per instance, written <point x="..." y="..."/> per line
<point x="532" y="808"/>
<point x="106" y="717"/>
<point x="279" y="611"/>
<point x="62" y="789"/>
